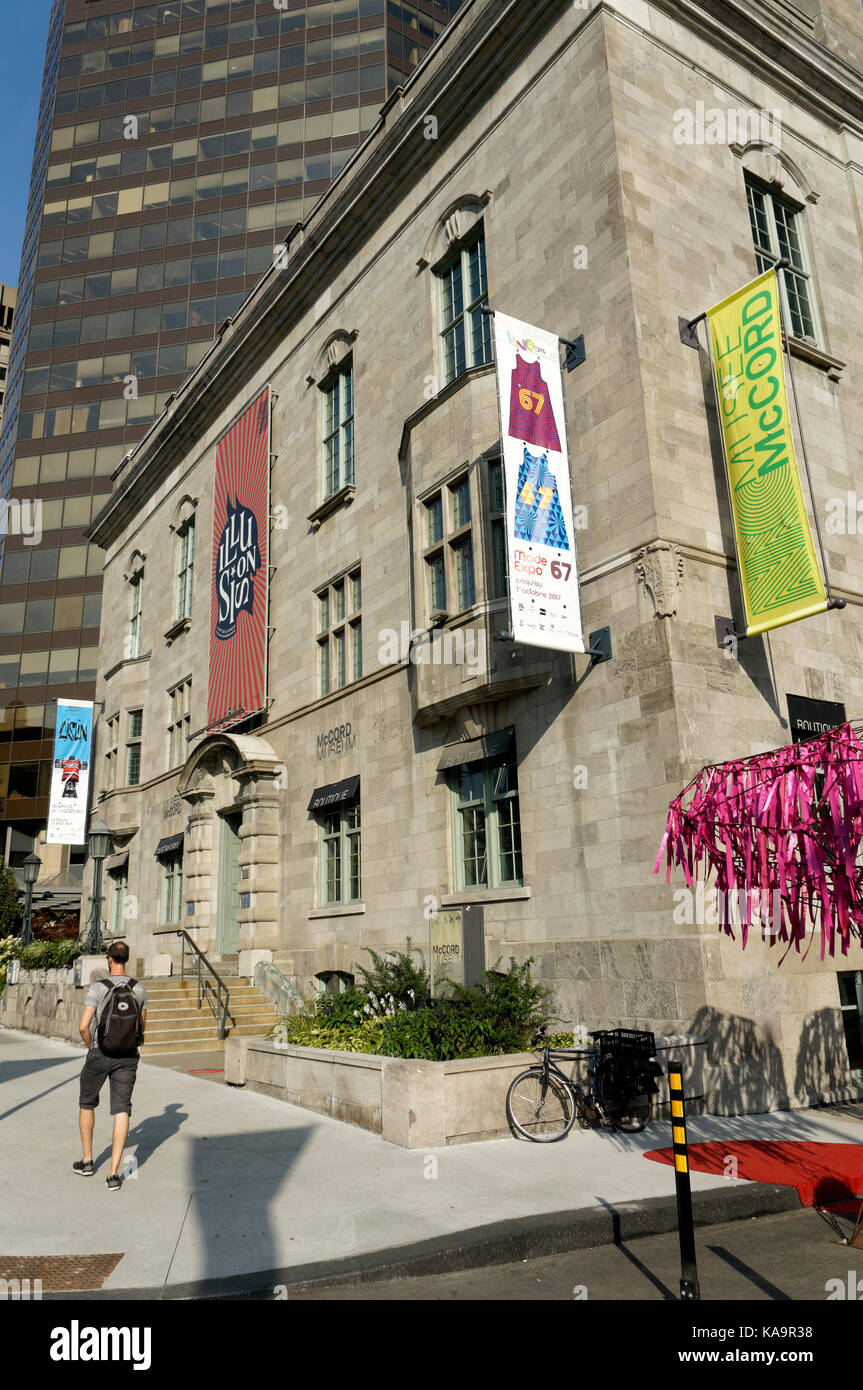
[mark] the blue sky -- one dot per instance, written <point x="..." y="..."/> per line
<point x="23" y="34"/>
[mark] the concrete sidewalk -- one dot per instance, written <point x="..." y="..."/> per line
<point x="235" y="1190"/>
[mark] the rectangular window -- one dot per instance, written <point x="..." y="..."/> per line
<point x="464" y="582"/>
<point x="185" y="568"/>
<point x="498" y="567"/>
<point x="112" y="738"/>
<point x="448" y="555"/>
<point x="180" y="700"/>
<point x="437" y="582"/>
<point x="133" y="747"/>
<point x="851" y="1003"/>
<point x="172" y="887"/>
<point x="465" y="330"/>
<point x="340" y="877"/>
<point x="339" y="637"/>
<point x="777" y="232"/>
<point x="487" y="827"/>
<point x="338" y="430"/>
<point x="434" y="512"/>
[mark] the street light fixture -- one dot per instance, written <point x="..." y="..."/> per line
<point x="99" y="844"/>
<point x="31" y="866"/>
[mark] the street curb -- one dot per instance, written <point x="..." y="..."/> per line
<point x="503" y="1242"/>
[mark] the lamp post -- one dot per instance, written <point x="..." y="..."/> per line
<point x="31" y="866"/>
<point x="99" y="844"/>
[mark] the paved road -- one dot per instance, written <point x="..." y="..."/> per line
<point x="770" y="1258"/>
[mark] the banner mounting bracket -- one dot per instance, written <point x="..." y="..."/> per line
<point x="575" y="352"/>
<point x="688" y="329"/>
<point x="600" y="647"/>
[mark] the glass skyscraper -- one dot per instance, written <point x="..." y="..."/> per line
<point x="176" y="143"/>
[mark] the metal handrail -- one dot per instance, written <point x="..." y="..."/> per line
<point x="205" y="988"/>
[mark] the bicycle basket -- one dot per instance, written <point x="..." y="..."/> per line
<point x="624" y="1042"/>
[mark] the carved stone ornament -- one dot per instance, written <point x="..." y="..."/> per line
<point x="659" y="566"/>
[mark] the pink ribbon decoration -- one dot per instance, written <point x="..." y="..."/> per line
<point x="780" y="830"/>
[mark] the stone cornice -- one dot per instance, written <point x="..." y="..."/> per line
<point x="777" y="48"/>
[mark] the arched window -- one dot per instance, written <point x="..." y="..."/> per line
<point x="184" y="527"/>
<point x="135" y="580"/>
<point x="776" y="194"/>
<point x="456" y="254"/>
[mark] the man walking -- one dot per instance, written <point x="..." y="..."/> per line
<point x="119" y="1006"/>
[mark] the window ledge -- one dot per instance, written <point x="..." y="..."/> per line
<point x="342" y="498"/>
<point x="833" y="366"/>
<point x="177" y="629"/>
<point x="338" y="910"/>
<point x="128" y="661"/>
<point x="484" y="895"/>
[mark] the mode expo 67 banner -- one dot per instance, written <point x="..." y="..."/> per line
<point x="240" y="569"/>
<point x="542" y="565"/>
<point x="70" y="773"/>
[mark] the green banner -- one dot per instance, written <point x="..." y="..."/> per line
<point x="779" y="573"/>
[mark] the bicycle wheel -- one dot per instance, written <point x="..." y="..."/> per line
<point x="537" y="1116"/>
<point x="623" y="1091"/>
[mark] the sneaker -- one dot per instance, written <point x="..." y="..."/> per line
<point x="114" y="1183"/>
<point x="86" y="1167"/>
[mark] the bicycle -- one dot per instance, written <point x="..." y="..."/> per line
<point x="542" y="1103"/>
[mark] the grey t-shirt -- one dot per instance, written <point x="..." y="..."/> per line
<point x="98" y="993"/>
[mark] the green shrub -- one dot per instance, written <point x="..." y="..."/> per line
<point x="47" y="955"/>
<point x="499" y="1017"/>
<point x="407" y="983"/>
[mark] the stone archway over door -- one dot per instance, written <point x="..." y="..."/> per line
<point x="231" y="786"/>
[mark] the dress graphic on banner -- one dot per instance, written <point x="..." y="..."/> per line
<point x="531" y="417"/>
<point x="538" y="513"/>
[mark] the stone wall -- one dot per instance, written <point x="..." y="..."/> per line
<point x="46" y="1002"/>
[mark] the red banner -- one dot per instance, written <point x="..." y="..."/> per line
<point x="240" y="571"/>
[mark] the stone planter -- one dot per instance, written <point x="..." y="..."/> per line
<point x="414" y="1104"/>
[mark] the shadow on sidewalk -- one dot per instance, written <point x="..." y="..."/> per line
<point x="148" y="1135"/>
<point x="13" y="1071"/>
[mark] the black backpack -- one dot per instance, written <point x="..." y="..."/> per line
<point x="120" y="1020"/>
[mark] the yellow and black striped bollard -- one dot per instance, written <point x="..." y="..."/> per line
<point x="688" y="1272"/>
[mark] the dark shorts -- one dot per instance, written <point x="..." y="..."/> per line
<point x="120" y="1071"/>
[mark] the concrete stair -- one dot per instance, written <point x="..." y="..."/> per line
<point x="176" y="1024"/>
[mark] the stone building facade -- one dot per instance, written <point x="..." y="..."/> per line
<point x="578" y="146"/>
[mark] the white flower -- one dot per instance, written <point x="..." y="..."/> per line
<point x="410" y="994"/>
<point x="403" y="1007"/>
<point x="366" y="1009"/>
<point x="356" y="1013"/>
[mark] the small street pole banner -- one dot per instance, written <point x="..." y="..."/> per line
<point x="688" y="1272"/>
<point x="446" y="946"/>
<point x="70" y="773"/>
<point x="542" y="565"/>
<point x="779" y="575"/>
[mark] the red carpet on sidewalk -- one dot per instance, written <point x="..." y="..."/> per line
<point x="820" y="1172"/>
